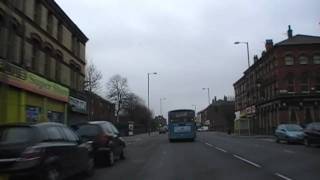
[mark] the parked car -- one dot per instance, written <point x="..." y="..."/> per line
<point x="203" y="128"/>
<point x="45" y="151"/>
<point x="106" y="141"/>
<point x="312" y="134"/>
<point x="289" y="133"/>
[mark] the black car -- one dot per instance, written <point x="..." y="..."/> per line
<point x="312" y="134"/>
<point x="106" y="141"/>
<point x="45" y="151"/>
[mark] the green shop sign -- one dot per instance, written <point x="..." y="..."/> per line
<point x="18" y="77"/>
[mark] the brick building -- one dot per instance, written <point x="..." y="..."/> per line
<point x="102" y="109"/>
<point x="42" y="58"/>
<point x="219" y="115"/>
<point x="282" y="86"/>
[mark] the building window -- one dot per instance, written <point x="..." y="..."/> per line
<point x="48" y="53"/>
<point x="37" y="12"/>
<point x="59" y="60"/>
<point x="2" y="31"/>
<point x="14" y="43"/>
<point x="316" y="59"/>
<point x="303" y="60"/>
<point x="304" y="82"/>
<point x="289" y="60"/>
<point x="75" y="76"/>
<point x="290" y="82"/>
<point x="49" y="22"/>
<point x="35" y="55"/>
<point x="18" y="4"/>
<point x="60" y="32"/>
<point x="75" y="45"/>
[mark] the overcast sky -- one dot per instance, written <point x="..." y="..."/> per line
<point x="188" y="42"/>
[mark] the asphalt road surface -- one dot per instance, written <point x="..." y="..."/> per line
<point x="213" y="156"/>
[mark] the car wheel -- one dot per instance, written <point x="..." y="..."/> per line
<point x="90" y="167"/>
<point x="110" y="158"/>
<point x="52" y="173"/>
<point x="306" y="142"/>
<point x="277" y="139"/>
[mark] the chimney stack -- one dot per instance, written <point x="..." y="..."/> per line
<point x="255" y="58"/>
<point x="289" y="32"/>
<point x="269" y="44"/>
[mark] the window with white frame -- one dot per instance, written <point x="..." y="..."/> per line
<point x="303" y="59"/>
<point x="288" y="60"/>
<point x="316" y="59"/>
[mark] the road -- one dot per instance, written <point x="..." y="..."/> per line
<point x="213" y="156"/>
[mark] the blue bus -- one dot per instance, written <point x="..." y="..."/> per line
<point x="182" y="124"/>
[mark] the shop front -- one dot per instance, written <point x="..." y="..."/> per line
<point x="77" y="112"/>
<point x="26" y="97"/>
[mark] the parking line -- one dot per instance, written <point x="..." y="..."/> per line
<point x="220" y="149"/>
<point x="282" y="176"/>
<point x="209" y="144"/>
<point x="247" y="161"/>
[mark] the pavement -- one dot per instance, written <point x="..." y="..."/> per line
<point x="213" y="156"/>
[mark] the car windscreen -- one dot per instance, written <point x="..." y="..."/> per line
<point x="293" y="127"/>
<point x="88" y="130"/>
<point x="316" y="126"/>
<point x="15" y="135"/>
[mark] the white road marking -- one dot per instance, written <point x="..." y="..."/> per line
<point x="247" y="161"/>
<point x="220" y="149"/>
<point x="209" y="144"/>
<point x="282" y="176"/>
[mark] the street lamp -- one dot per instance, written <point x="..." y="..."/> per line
<point x="195" y="108"/>
<point x="153" y="73"/>
<point x="161" y="99"/>
<point x="208" y="94"/>
<point x="247" y="43"/>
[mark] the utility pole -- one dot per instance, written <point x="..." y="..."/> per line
<point x="148" y="74"/>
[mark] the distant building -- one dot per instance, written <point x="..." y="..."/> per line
<point x="42" y="58"/>
<point x="102" y="109"/>
<point x="219" y="115"/>
<point x="282" y="86"/>
<point x="161" y="120"/>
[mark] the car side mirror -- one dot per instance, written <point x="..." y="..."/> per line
<point x="118" y="134"/>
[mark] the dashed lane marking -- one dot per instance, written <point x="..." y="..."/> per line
<point x="220" y="149"/>
<point x="247" y="161"/>
<point x="209" y="144"/>
<point x="282" y="176"/>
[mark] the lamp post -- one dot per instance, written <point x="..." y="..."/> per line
<point x="208" y="89"/>
<point x="161" y="99"/>
<point x="247" y="43"/>
<point x="153" y="73"/>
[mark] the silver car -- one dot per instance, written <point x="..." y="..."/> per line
<point x="289" y="133"/>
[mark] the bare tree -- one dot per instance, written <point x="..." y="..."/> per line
<point x="118" y="90"/>
<point x="93" y="78"/>
<point x="92" y="84"/>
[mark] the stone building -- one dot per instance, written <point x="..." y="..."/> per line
<point x="42" y="58"/>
